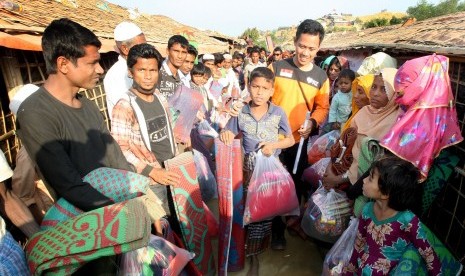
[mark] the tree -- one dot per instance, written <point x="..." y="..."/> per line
<point x="253" y="34"/>
<point x="424" y="10"/>
<point x="394" y="20"/>
<point x="376" y="22"/>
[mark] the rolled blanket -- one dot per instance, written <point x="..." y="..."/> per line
<point x="119" y="185"/>
<point x="106" y="231"/>
<point x="188" y="205"/>
<point x="229" y="174"/>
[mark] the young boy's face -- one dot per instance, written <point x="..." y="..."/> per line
<point x="235" y="63"/>
<point x="344" y="84"/>
<point x="260" y="90"/>
<point x="198" y="79"/>
<point x="255" y="57"/>
<point x="240" y="61"/>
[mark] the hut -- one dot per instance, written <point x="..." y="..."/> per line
<point x="442" y="35"/>
<point x="21" y="60"/>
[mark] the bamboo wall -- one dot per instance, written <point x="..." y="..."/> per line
<point x="21" y="67"/>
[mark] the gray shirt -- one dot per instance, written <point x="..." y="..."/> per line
<point x="67" y="143"/>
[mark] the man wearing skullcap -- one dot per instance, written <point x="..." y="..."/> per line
<point x="117" y="81"/>
<point x="230" y="74"/>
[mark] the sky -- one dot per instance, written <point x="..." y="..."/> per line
<point x="234" y="17"/>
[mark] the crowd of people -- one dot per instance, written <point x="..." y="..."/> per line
<point x="370" y="134"/>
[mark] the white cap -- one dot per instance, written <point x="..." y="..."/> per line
<point x="5" y="169"/>
<point x="126" y="30"/>
<point x="208" y="57"/>
<point x="22" y="94"/>
<point x="227" y="56"/>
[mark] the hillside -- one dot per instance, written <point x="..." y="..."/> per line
<point x="384" y="14"/>
<point x="333" y="22"/>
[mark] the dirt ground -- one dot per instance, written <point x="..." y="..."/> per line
<point x="300" y="257"/>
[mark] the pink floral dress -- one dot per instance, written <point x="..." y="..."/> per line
<point x="379" y="245"/>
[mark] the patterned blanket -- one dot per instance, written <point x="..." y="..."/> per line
<point x="190" y="213"/>
<point x="119" y="185"/>
<point x="231" y="248"/>
<point x="106" y="231"/>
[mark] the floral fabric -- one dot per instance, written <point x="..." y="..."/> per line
<point x="379" y="245"/>
<point x="430" y="120"/>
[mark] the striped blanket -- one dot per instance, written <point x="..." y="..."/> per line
<point x="231" y="248"/>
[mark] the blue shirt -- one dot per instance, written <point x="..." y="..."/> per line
<point x="254" y="131"/>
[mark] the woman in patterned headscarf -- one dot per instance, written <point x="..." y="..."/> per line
<point x="375" y="63"/>
<point x="430" y="120"/>
<point x="373" y="120"/>
<point x="333" y="65"/>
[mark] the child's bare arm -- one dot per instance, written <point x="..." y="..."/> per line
<point x="268" y="148"/>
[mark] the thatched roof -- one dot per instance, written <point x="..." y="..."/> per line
<point x="443" y="35"/>
<point x="22" y="30"/>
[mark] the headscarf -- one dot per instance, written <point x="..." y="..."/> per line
<point x="430" y="121"/>
<point x="374" y="123"/>
<point x="371" y="121"/>
<point x="365" y="82"/>
<point x="326" y="65"/>
<point x="342" y="60"/>
<point x="375" y="63"/>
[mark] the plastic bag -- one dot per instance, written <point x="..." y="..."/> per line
<point x="314" y="174"/>
<point x="131" y="263"/>
<point x="327" y="215"/>
<point x="339" y="255"/>
<point x="216" y="89"/>
<point x="271" y="191"/>
<point x="159" y="257"/>
<point x="206" y="129"/>
<point x="321" y="147"/>
<point x="207" y="181"/>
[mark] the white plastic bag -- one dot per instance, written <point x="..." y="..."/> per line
<point x="339" y="256"/>
<point x="131" y="263"/>
<point x="159" y="257"/>
<point x="271" y="191"/>
<point x="327" y="214"/>
<point x="321" y="147"/>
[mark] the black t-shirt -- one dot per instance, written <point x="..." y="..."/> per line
<point x="157" y="128"/>
<point x="67" y="143"/>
